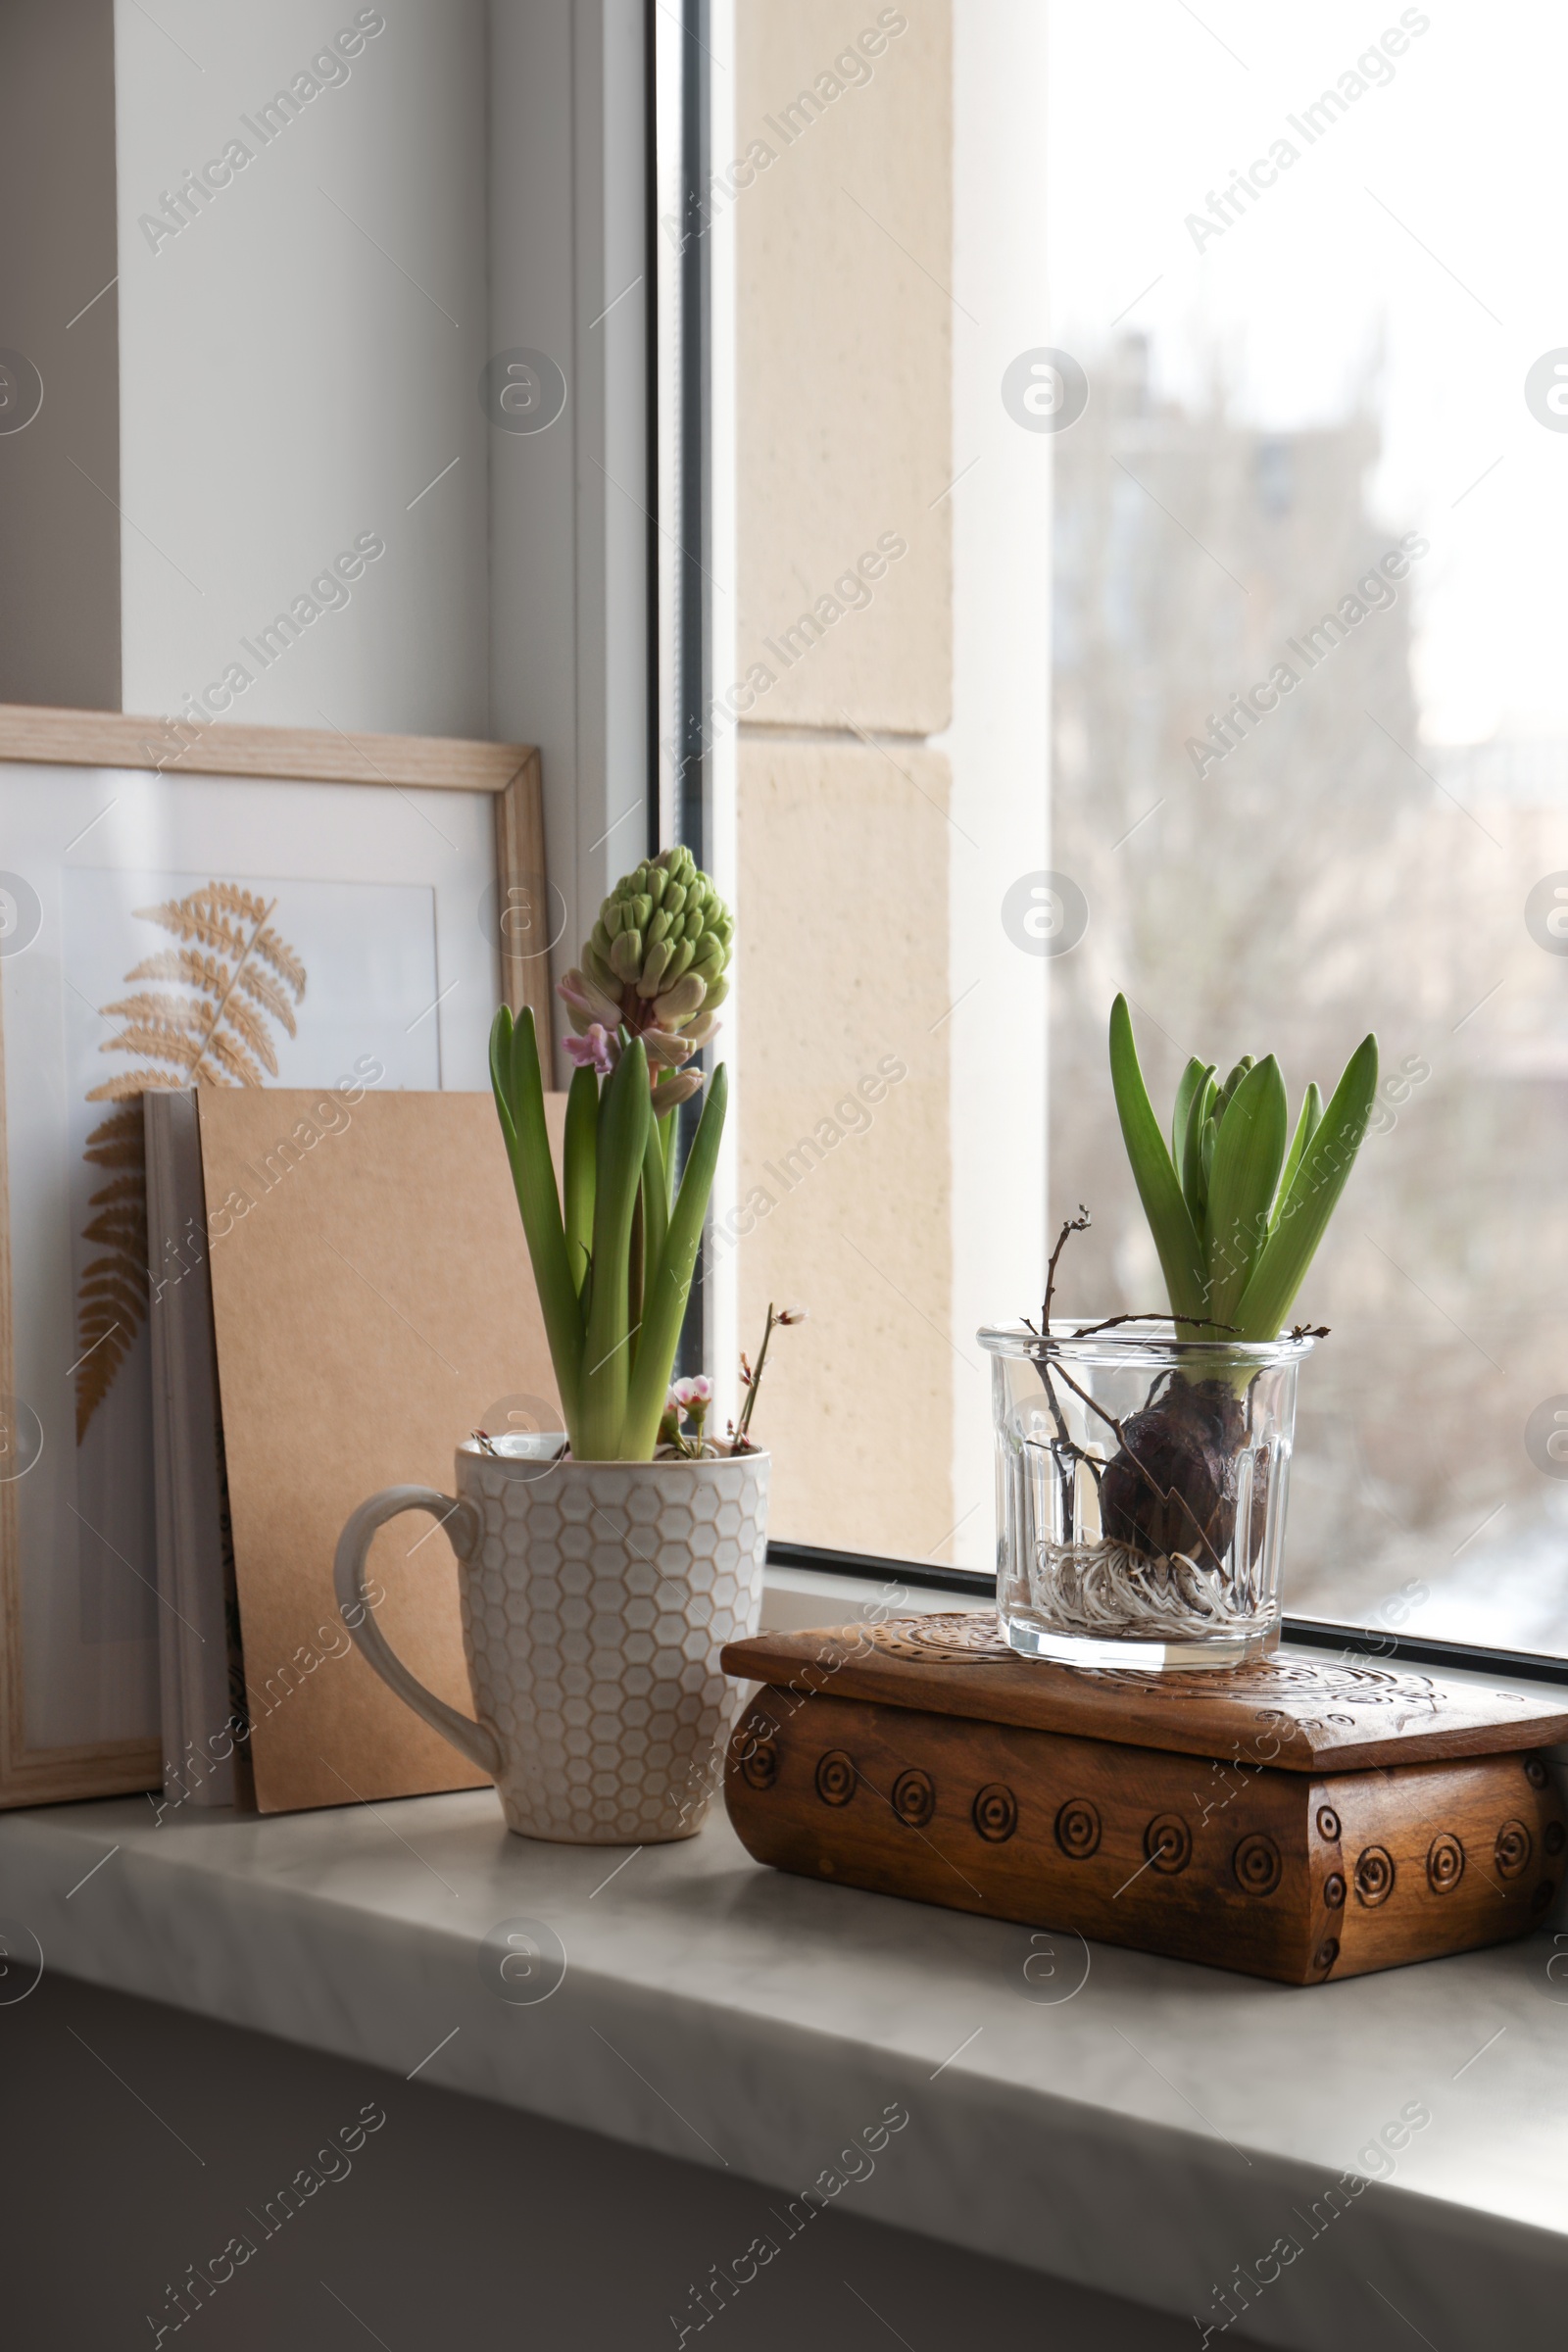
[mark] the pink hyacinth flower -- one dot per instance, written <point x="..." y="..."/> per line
<point x="595" y="1051"/>
<point x="587" y="1005"/>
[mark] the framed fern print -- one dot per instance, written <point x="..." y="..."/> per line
<point x="202" y="1014"/>
<point x="163" y="930"/>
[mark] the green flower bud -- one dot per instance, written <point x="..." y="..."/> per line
<point x="655" y="965"/>
<point x="666" y="932"/>
<point x="682" y="1002"/>
<point x="600" y="970"/>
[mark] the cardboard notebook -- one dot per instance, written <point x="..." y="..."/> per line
<point x="372" y="1303"/>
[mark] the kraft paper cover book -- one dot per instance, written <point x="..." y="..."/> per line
<point x="372" y="1301"/>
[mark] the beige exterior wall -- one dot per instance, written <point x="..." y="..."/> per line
<point x="844" y="1183"/>
<point x="844" y="441"/>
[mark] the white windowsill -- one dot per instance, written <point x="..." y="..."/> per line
<point x="1146" y="2136"/>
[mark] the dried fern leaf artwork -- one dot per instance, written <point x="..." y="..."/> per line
<point x="199" y="1014"/>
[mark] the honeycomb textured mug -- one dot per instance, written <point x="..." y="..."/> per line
<point x="596" y="1598"/>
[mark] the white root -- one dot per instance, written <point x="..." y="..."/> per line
<point x="1107" y="1588"/>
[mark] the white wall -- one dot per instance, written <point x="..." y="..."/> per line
<point x="292" y="378"/>
<point x="569" y="611"/>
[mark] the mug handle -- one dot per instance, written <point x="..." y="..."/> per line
<point x="475" y="1741"/>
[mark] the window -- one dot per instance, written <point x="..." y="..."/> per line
<point x="1148" y="457"/>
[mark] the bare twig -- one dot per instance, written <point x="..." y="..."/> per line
<point x="1078" y="1224"/>
<point x="752" y="1381"/>
<point x="1088" y="1331"/>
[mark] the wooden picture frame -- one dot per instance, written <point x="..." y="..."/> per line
<point x="112" y="740"/>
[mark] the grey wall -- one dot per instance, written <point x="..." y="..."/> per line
<point x="301" y="338"/>
<point x="140" y="2139"/>
<point x="60" y="476"/>
<point x="302" y="358"/>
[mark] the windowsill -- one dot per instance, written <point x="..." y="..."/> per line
<point x="1145" y="2136"/>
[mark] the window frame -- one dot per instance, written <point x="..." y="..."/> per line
<point x="691" y="540"/>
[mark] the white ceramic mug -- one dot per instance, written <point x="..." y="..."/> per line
<point x="596" y="1598"/>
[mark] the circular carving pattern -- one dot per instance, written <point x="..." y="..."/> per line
<point x="1275" y="1677"/>
<point x="995" y="1812"/>
<point x="1328" y="1951"/>
<point x="759" y="1766"/>
<point x="1374" y="1876"/>
<point x="1078" y="1828"/>
<point x="942" y="1637"/>
<point x="1334" y="1890"/>
<point x="914" y="1799"/>
<point x="1535" y="1773"/>
<point x="1555" y="1838"/>
<point x="1511" y="1852"/>
<point x="1256" y="1864"/>
<point x="836" y="1778"/>
<point x="1328" y="1823"/>
<point x="1445" y="1863"/>
<point x="1541" y="1896"/>
<point x="972" y="1638"/>
<point x="1168" y="1844"/>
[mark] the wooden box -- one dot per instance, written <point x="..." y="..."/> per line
<point x="1288" y="1819"/>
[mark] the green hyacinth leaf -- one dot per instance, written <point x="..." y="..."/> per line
<point x="624" y="1114"/>
<point x="1195" y="1190"/>
<point x="1307" y="1126"/>
<point x="664" y="1301"/>
<point x="1248" y="1154"/>
<point x="1192" y="1079"/>
<point x="1320" y="1177"/>
<point x="656" y="1206"/>
<point x="1231" y="1084"/>
<point x="514" y="1075"/>
<point x="1170" y="1222"/>
<point x="577" y="1182"/>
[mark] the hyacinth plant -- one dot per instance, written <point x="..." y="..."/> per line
<point x="615" y="1247"/>
<point x="1236" y="1206"/>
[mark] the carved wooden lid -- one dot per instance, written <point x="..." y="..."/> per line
<point x="1293" y="1712"/>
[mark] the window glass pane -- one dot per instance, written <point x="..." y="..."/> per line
<point x="1324" y="469"/>
<point x="1248" y="631"/>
